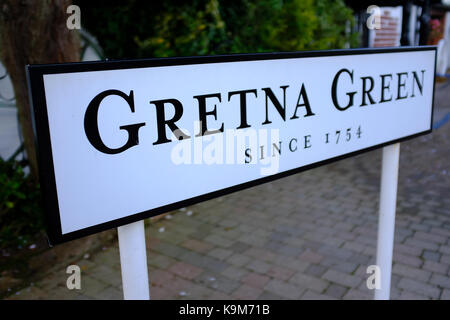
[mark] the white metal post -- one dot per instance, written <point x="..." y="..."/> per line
<point x="133" y="261"/>
<point x="386" y="223"/>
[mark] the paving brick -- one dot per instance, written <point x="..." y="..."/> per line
<point x="83" y="297"/>
<point x="445" y="249"/>
<point x="355" y="294"/>
<point x="445" y="259"/>
<point x="290" y="251"/>
<point x="279" y="272"/>
<point x="342" y="278"/>
<point x="185" y="270"/>
<point x="339" y="253"/>
<point x="407" y="260"/>
<point x="259" y="253"/>
<point x="336" y="291"/>
<point x="89" y="286"/>
<point x="312" y="245"/>
<point x="160" y="277"/>
<point x="177" y="237"/>
<point x="220" y="253"/>
<point x="258" y="266"/>
<point x="309" y="282"/>
<point x="419" y="227"/>
<point x="430" y="237"/>
<point x="407" y="295"/>
<point x="361" y="271"/>
<point x="217" y="282"/>
<point x="283" y="289"/>
<point x="32" y="293"/>
<point x="269" y="296"/>
<point x="445" y="294"/>
<point x="315" y="270"/>
<point x="339" y="265"/>
<point x="238" y="259"/>
<point x="422" y="244"/>
<point x="169" y="249"/>
<point x="246" y="292"/>
<point x="255" y="280"/>
<point x="361" y="259"/>
<point x="194" y="291"/>
<point x="311" y="295"/>
<point x="159" y="260"/>
<point x="354" y="246"/>
<point x="278" y="236"/>
<point x="289" y="262"/>
<point x="238" y="247"/>
<point x="419" y="287"/>
<point x="252" y="240"/>
<point x="311" y="256"/>
<point x="62" y="293"/>
<point x="369" y="251"/>
<point x="110" y="293"/>
<point x="235" y="273"/>
<point x="440" y="231"/>
<point x="218" y="241"/>
<point x="334" y="241"/>
<point x="436" y="267"/>
<point x="106" y="274"/>
<point x="205" y="262"/>
<point x="177" y="285"/>
<point x="440" y="281"/>
<point x="410" y="272"/>
<point x="431" y="255"/>
<point x="196" y="245"/>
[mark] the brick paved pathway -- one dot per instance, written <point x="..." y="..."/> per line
<point x="308" y="236"/>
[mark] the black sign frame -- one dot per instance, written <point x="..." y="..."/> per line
<point x="35" y="78"/>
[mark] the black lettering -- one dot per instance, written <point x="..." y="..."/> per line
<point x="161" y="122"/>
<point x="281" y="109"/>
<point x="383" y="87"/>
<point x="307" y="141"/>
<point x="304" y="104"/>
<point x="401" y="85"/>
<point x="277" y="148"/>
<point x="248" y="155"/>
<point x="416" y="80"/>
<point x="290" y="145"/>
<point x="334" y="90"/>
<point x="203" y="113"/>
<point x="243" y="105"/>
<point x="91" y="123"/>
<point x="366" y="91"/>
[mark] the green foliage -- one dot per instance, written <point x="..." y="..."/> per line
<point x="20" y="212"/>
<point x="185" y="31"/>
<point x="174" y="28"/>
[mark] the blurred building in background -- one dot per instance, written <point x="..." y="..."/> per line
<point x="407" y="23"/>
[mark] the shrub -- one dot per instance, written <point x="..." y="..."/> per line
<point x="174" y="28"/>
<point x="21" y="216"/>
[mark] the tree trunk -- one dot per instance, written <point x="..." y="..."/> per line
<point x="31" y="32"/>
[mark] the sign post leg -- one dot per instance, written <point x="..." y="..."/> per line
<point x="133" y="261"/>
<point x="386" y="223"/>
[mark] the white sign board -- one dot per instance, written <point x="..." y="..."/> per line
<point x="125" y="140"/>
